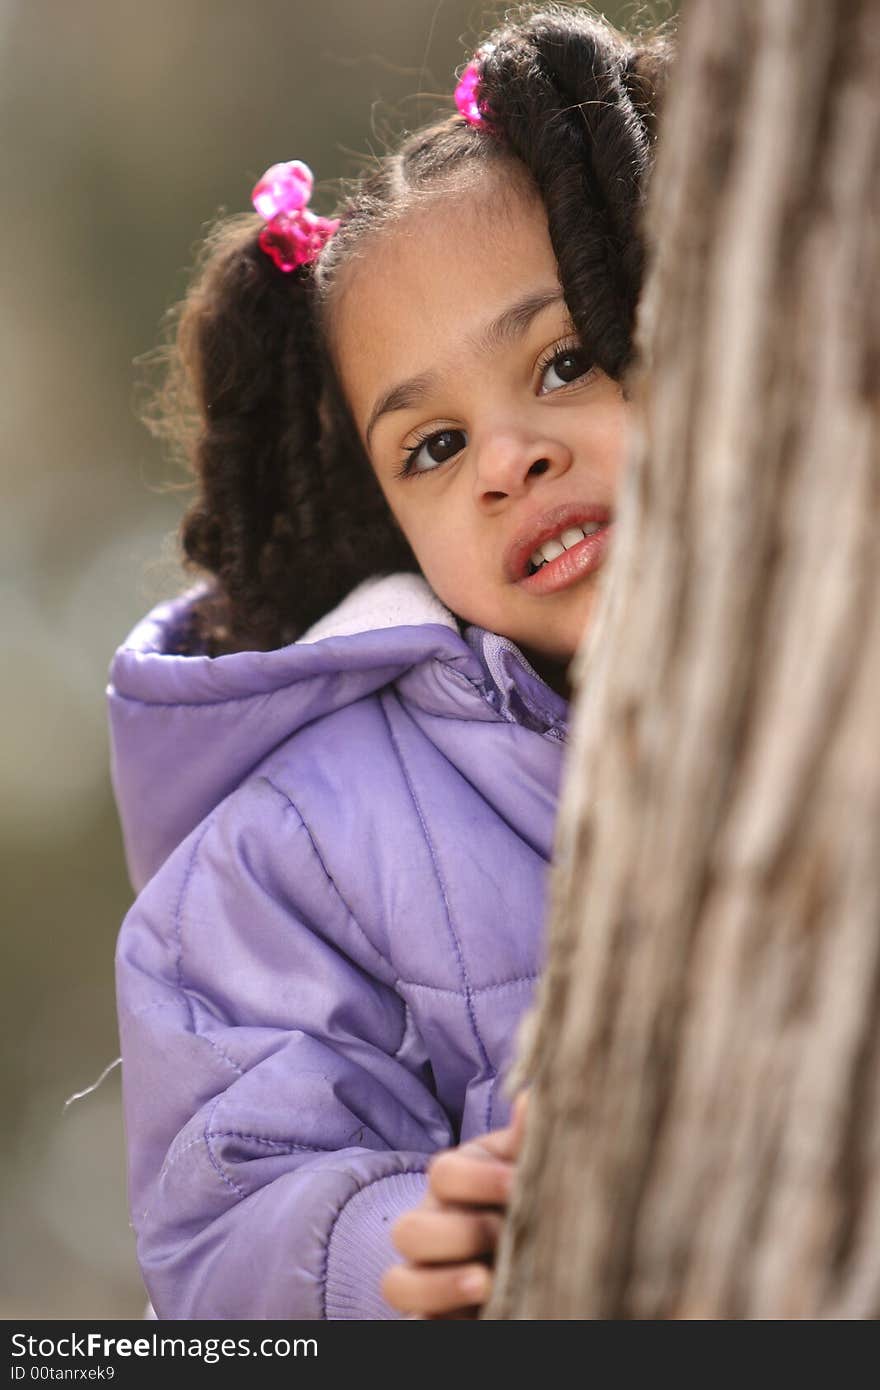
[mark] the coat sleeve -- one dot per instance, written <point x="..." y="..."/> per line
<point x="278" y="1105"/>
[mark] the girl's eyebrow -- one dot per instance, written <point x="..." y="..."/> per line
<point x="510" y="324"/>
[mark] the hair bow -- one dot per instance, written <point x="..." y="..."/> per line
<point x="293" y="236"/>
<point x="466" y="99"/>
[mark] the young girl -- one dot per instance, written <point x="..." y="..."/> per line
<point x="337" y="757"/>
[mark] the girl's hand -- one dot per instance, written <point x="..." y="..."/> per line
<point x="449" y="1239"/>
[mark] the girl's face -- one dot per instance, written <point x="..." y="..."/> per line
<point x="487" y="427"/>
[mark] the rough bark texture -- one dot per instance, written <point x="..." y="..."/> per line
<point x="704" y="1135"/>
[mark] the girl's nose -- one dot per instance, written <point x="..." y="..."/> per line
<point x="509" y="462"/>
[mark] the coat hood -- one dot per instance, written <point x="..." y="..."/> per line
<point x="185" y="730"/>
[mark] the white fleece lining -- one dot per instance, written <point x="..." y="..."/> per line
<point x="388" y="600"/>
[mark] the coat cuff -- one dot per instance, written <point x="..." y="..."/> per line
<point x="360" y="1250"/>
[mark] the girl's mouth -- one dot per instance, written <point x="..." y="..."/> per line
<point x="583" y="558"/>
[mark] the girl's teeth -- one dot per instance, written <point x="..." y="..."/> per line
<point x="572" y="536"/>
<point x="551" y="550"/>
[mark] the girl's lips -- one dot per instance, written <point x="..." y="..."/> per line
<point x="567" y="568"/>
<point x="548" y="526"/>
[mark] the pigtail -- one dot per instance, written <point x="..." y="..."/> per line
<point x="286" y="517"/>
<point x="568" y="96"/>
<point x="243" y="338"/>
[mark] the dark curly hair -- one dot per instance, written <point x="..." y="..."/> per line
<point x="287" y="515"/>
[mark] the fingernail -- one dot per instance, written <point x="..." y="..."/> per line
<point x="474" y="1284"/>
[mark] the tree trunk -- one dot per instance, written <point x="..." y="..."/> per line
<point x="704" y="1129"/>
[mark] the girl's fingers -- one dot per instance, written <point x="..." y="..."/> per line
<point x="444" y="1289"/>
<point x="460" y="1177"/>
<point x="449" y="1234"/>
<point x="497" y="1144"/>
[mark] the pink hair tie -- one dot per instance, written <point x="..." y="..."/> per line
<point x="466" y="99"/>
<point x="293" y="236"/>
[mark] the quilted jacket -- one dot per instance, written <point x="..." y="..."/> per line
<point x="339" y="850"/>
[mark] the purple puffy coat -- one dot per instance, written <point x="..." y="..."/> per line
<point x="340" y="852"/>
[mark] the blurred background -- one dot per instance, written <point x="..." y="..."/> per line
<point x="125" y="128"/>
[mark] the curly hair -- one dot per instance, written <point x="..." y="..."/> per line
<point x="287" y="515"/>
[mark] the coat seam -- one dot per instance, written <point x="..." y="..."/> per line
<point x="156" y="1004"/>
<point x="477" y="989"/>
<point x="203" y="1140"/>
<point x="289" y="1145"/>
<point x="178" y="936"/>
<point x="171" y="1161"/>
<point x="211" y="1156"/>
<point x="178" y="919"/>
<point x="468" y="994"/>
<point x="363" y="935"/>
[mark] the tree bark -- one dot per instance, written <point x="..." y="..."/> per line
<point x="704" y="1128"/>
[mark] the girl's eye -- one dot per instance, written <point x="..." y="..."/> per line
<point x="431" y="449"/>
<point x="564" y="367"/>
